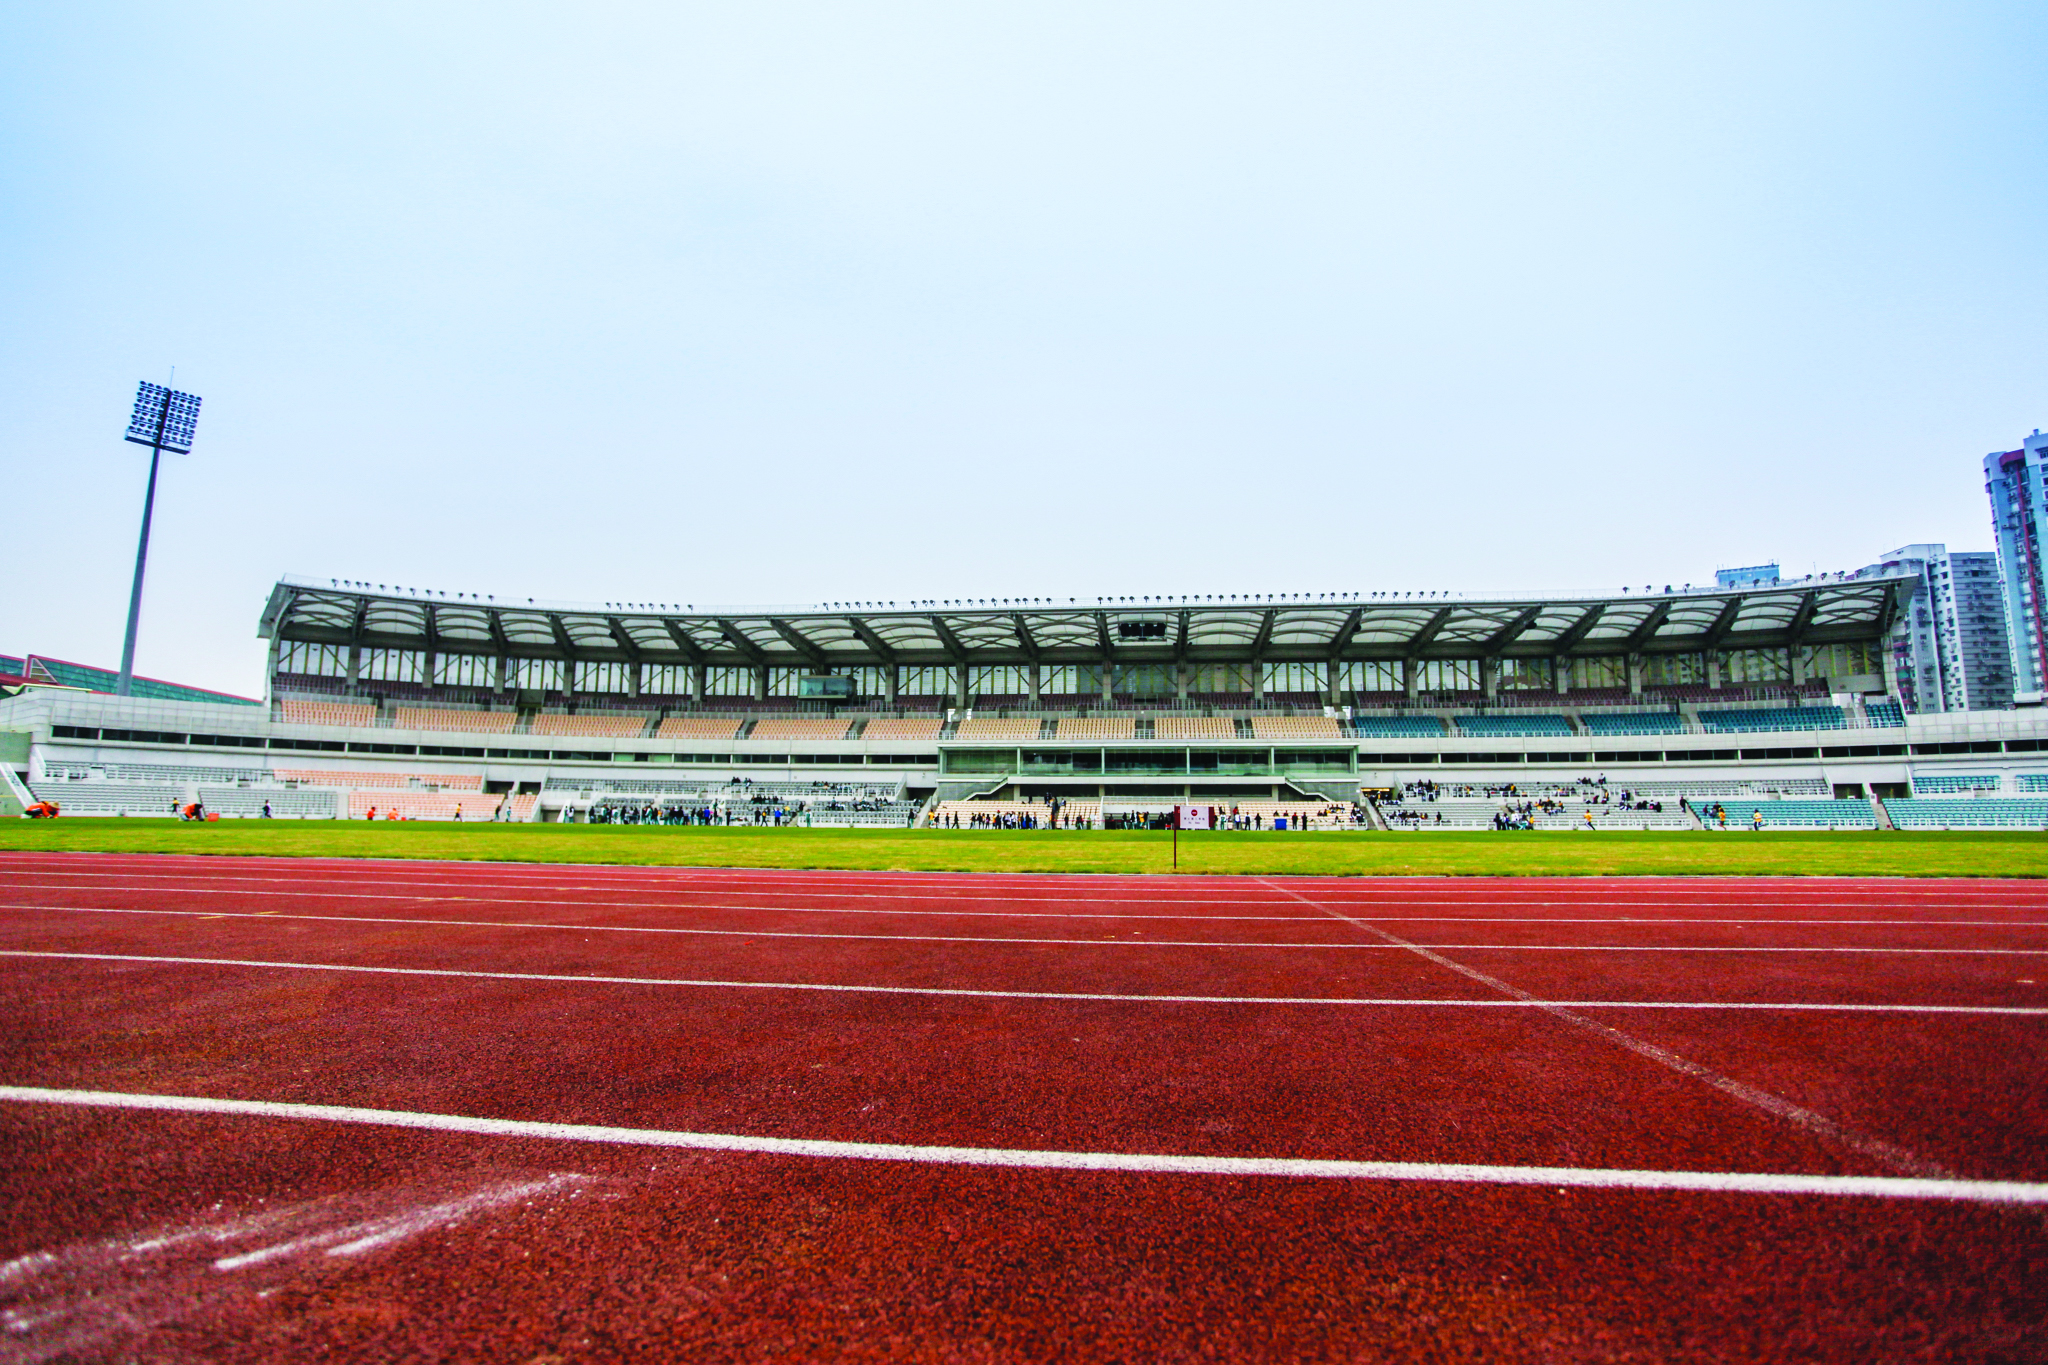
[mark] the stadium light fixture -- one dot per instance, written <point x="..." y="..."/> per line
<point x="164" y="419"/>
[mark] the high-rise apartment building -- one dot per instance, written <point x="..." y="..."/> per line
<point x="2019" y="514"/>
<point x="1949" y="646"/>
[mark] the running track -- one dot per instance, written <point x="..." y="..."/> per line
<point x="263" y="1109"/>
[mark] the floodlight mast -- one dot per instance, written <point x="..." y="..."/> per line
<point x="163" y="420"/>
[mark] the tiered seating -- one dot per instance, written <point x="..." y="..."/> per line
<point x="1299" y="814"/>
<point x="989" y="727"/>
<point x="438" y="718"/>
<point x="1224" y="699"/>
<point x="110" y="798"/>
<point x="1945" y="784"/>
<point x="1632" y="722"/>
<point x="1772" y="718"/>
<point x="1741" y="789"/>
<point x="1294" y="699"/>
<point x="1478" y="812"/>
<point x="523" y="807"/>
<point x="1295" y="727"/>
<point x="2034" y="782"/>
<point x="285" y="804"/>
<point x="59" y="771"/>
<point x="1968" y="813"/>
<point x="611" y="727"/>
<point x="944" y="811"/>
<point x="904" y="727"/>
<point x="1093" y="728"/>
<point x="292" y="711"/>
<point x="1848" y="814"/>
<point x="1193" y="727"/>
<point x="800" y="727"/>
<point x="1534" y="724"/>
<point x="698" y="727"/>
<point x="322" y="777"/>
<point x="423" y="805"/>
<point x="1397" y="727"/>
<point x="1885" y="713"/>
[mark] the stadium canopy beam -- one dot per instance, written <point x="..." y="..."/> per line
<point x="359" y="622"/>
<point x="1181" y="637"/>
<point x="1802" y="619"/>
<point x="1640" y="636"/>
<point x="799" y="642"/>
<point x="883" y="650"/>
<point x="626" y="643"/>
<point x="1102" y="638"/>
<point x="1568" y="640"/>
<point x="1507" y="634"/>
<point x="1723" y="623"/>
<point x="498" y="638"/>
<point x="1341" y="641"/>
<point x="955" y="651"/>
<point x="689" y="648"/>
<point x="562" y="640"/>
<point x="1264" y="637"/>
<point x="737" y="638"/>
<point x="1024" y="640"/>
<point x="1431" y="628"/>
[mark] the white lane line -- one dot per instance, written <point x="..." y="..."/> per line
<point x="1719" y="1182"/>
<point x="1528" y="1002"/>
<point x="1392" y="896"/>
<point x="1877" y="1149"/>
<point x="1740" y="920"/>
<point x="1052" y="942"/>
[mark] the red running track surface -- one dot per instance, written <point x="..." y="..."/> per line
<point x="1626" y="1119"/>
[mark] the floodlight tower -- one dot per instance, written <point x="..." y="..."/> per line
<point x="163" y="420"/>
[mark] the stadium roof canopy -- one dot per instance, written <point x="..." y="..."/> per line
<point x="1122" y="630"/>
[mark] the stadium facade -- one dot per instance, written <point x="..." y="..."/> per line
<point x="405" y="700"/>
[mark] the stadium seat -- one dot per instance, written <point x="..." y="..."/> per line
<point x="1632" y="722"/>
<point x="698" y="727"/>
<point x="1532" y="724"/>
<point x="423" y="805"/>
<point x="1397" y="727"/>
<point x="1091" y="728"/>
<point x="440" y="718"/>
<point x="1968" y="813"/>
<point x="800" y="727"/>
<point x="985" y="727"/>
<point x="902" y="727"/>
<point x="1949" y="784"/>
<point x="1193" y="728"/>
<point x="614" y="727"/>
<point x="1768" y="718"/>
<point x="295" y="712"/>
<point x="1295" y="727"/>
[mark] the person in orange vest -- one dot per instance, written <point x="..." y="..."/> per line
<point x="372" y="815"/>
<point x="42" y="810"/>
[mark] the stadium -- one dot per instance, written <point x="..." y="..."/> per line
<point x="1694" y="708"/>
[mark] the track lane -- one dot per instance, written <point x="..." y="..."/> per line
<point x="1496" y="1086"/>
<point x="706" y="1256"/>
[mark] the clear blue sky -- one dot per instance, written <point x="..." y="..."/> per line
<point x="776" y="302"/>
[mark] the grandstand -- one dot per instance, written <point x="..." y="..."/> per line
<point x="1770" y="694"/>
<point x="1766" y="718"/>
<point x="1529" y="724"/>
<point x="1796" y="814"/>
<point x="1968" y="813"/>
<point x="1632" y="722"/>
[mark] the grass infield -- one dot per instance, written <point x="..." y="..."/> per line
<point x="1361" y="854"/>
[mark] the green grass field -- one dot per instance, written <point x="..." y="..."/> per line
<point x="1881" y="854"/>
